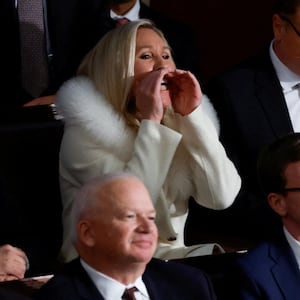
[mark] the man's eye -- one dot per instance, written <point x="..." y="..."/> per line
<point x="166" y="56"/>
<point x="130" y="216"/>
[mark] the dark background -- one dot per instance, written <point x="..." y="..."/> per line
<point x="227" y="30"/>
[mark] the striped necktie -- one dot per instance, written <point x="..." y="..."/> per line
<point x="121" y="21"/>
<point x="34" y="68"/>
<point x="129" y="294"/>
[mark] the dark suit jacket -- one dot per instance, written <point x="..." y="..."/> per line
<point x="67" y="20"/>
<point x="75" y="26"/>
<point x="8" y="294"/>
<point x="164" y="280"/>
<point x="253" y="113"/>
<point x="269" y="271"/>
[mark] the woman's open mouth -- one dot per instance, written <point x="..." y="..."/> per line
<point x="164" y="85"/>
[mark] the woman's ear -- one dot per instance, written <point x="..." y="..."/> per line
<point x="86" y="233"/>
<point x="277" y="203"/>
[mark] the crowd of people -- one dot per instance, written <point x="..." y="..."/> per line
<point x="141" y="138"/>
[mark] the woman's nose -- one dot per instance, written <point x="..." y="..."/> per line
<point x="161" y="63"/>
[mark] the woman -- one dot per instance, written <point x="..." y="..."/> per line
<point x="129" y="109"/>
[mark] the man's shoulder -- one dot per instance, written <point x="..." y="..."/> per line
<point x="177" y="280"/>
<point x="173" y="269"/>
<point x="67" y="283"/>
<point x="252" y="64"/>
<point x="257" y="258"/>
<point x="245" y="75"/>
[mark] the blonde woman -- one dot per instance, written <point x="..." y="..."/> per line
<point x="129" y="109"/>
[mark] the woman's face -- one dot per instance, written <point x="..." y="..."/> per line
<point x="152" y="54"/>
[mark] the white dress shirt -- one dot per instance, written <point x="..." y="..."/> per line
<point x="131" y="15"/>
<point x="111" y="289"/>
<point x="288" y="80"/>
<point x="294" y="244"/>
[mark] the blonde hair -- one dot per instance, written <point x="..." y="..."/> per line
<point x="110" y="65"/>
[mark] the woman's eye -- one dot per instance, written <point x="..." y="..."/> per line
<point x="166" y="56"/>
<point x="145" y="56"/>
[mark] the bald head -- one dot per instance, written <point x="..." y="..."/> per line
<point x="102" y="192"/>
<point x="114" y="224"/>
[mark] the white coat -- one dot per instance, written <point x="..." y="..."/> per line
<point x="179" y="159"/>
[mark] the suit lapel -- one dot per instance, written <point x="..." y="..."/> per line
<point x="285" y="270"/>
<point x="270" y="95"/>
<point x="150" y="285"/>
<point x="84" y="285"/>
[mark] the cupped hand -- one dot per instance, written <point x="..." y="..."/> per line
<point x="185" y="91"/>
<point x="150" y="99"/>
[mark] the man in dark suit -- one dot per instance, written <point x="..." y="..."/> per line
<point x="257" y="102"/>
<point x="62" y="36"/>
<point x="271" y="270"/>
<point x="115" y="234"/>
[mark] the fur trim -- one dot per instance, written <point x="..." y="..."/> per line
<point x="211" y="112"/>
<point x="80" y="103"/>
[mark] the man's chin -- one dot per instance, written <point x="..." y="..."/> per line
<point x="143" y="256"/>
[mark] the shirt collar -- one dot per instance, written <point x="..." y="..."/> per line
<point x="287" y="78"/>
<point x="131" y="15"/>
<point x="110" y="288"/>
<point x="294" y="244"/>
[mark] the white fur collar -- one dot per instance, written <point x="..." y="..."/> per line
<point x="80" y="103"/>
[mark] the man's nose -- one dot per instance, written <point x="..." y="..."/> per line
<point x="146" y="225"/>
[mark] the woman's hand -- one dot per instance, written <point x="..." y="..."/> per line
<point x="149" y="96"/>
<point x="185" y="91"/>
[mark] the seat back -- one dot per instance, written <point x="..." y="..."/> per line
<point x="30" y="204"/>
<point x="219" y="268"/>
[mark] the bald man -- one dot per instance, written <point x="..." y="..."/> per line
<point x="115" y="235"/>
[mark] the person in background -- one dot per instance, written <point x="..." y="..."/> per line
<point x="50" y="27"/>
<point x="181" y="38"/>
<point x="130" y="109"/>
<point x="13" y="263"/>
<point x="257" y="102"/>
<point x="63" y="36"/>
<point x="271" y="270"/>
<point x="114" y="232"/>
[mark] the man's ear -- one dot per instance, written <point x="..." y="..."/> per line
<point x="277" y="203"/>
<point x="279" y="27"/>
<point x="86" y="233"/>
